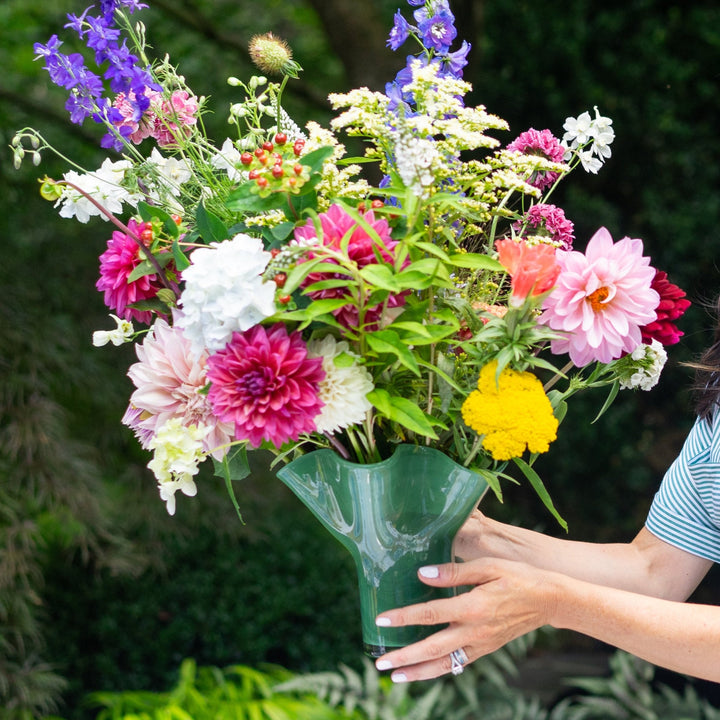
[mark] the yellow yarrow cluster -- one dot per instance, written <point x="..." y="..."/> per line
<point x="512" y="413"/>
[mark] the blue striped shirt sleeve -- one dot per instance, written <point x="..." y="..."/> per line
<point x="686" y="509"/>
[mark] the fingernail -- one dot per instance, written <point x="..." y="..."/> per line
<point x="383" y="622"/>
<point x="383" y="664"/>
<point x="429" y="571"/>
<point x="398" y="677"/>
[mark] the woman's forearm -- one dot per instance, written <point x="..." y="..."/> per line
<point x="647" y="565"/>
<point x="682" y="637"/>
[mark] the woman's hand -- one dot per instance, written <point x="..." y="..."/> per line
<point x="508" y="599"/>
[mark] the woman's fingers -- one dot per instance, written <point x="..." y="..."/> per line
<point x="429" y="658"/>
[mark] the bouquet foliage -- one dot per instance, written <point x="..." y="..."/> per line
<point x="283" y="295"/>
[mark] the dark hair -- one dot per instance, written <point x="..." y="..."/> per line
<point x="706" y="387"/>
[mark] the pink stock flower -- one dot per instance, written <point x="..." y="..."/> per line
<point x="362" y="250"/>
<point x="170" y="382"/>
<point x="116" y="265"/>
<point x="601" y="299"/>
<point x="533" y="269"/>
<point x="175" y="117"/>
<point x="673" y="304"/>
<point x="164" y="120"/>
<point x="548" y="222"/>
<point x="544" y="144"/>
<point x="266" y="385"/>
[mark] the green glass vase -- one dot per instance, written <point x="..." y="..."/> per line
<point x="393" y="516"/>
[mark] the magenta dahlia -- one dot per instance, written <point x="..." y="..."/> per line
<point x="116" y="265"/>
<point x="264" y="382"/>
<point x="673" y="304"/>
<point x="361" y="249"/>
<point x="544" y="144"/>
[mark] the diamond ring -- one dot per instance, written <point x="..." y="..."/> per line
<point x="458" y="659"/>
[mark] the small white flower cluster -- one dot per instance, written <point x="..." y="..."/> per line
<point x="104" y="186"/>
<point x="589" y="139"/>
<point x="121" y="334"/>
<point x="178" y="453"/>
<point x="224" y="292"/>
<point x="344" y="389"/>
<point x="642" y="368"/>
<point x="416" y="159"/>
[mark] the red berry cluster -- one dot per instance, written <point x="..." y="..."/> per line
<point x="274" y="166"/>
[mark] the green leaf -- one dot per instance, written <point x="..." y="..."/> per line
<point x="403" y="412"/>
<point x="381" y="276"/>
<point x="539" y="487"/>
<point x="388" y="341"/>
<point x="476" y="261"/>
<point x="210" y="226"/>
<point x="181" y="260"/>
<point x="491" y="479"/>
<point x="234" y="466"/>
<point x="315" y="159"/>
<point x="609" y="401"/>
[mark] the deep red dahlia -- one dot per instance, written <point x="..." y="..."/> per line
<point x="116" y="265"/>
<point x="265" y="383"/>
<point x="673" y="304"/>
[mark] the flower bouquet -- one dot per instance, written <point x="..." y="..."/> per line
<point x="291" y="299"/>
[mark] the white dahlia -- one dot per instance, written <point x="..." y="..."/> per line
<point x="345" y="387"/>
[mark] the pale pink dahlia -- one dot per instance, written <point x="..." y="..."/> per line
<point x="116" y="265"/>
<point x="169" y="382"/>
<point x="361" y="250"/>
<point x="601" y="299"/>
<point x="265" y="383"/>
<point x="549" y="223"/>
<point x="544" y="144"/>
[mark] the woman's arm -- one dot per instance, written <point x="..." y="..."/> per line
<point x="647" y="565"/>
<point x="511" y="598"/>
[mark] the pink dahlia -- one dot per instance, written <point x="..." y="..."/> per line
<point x="170" y="381"/>
<point x="544" y="144"/>
<point x="116" y="265"/>
<point x="601" y="299"/>
<point x="264" y="382"/>
<point x="533" y="269"/>
<point x="673" y="304"/>
<point x="343" y="235"/>
<point x="548" y="222"/>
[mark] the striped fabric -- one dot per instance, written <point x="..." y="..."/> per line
<point x="686" y="509"/>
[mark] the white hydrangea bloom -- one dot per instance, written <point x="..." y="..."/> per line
<point x="345" y="387"/>
<point x="104" y="185"/>
<point x="643" y="367"/>
<point x="225" y="292"/>
<point x="178" y="453"/>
